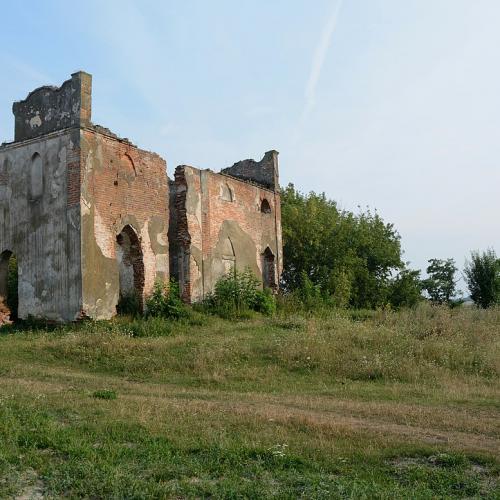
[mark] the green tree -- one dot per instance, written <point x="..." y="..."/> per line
<point x="440" y="284"/>
<point x="406" y="289"/>
<point x="349" y="257"/>
<point x="482" y="274"/>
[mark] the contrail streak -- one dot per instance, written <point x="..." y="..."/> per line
<point x="319" y="58"/>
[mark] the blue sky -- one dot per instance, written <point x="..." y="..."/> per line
<point x="384" y="103"/>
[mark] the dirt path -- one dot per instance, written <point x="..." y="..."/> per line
<point x="472" y="429"/>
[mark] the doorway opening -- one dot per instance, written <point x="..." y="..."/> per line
<point x="9" y="298"/>
<point x="268" y="269"/>
<point x="130" y="271"/>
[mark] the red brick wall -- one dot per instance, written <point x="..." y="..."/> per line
<point x="204" y="213"/>
<point x="121" y="185"/>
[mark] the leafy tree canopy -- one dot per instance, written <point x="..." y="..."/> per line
<point x="441" y="284"/>
<point x="482" y="274"/>
<point x="349" y="257"/>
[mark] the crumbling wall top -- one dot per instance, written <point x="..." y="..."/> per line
<point x="47" y="109"/>
<point x="264" y="172"/>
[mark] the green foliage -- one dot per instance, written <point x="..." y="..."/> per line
<point x="482" y="274"/>
<point x="265" y="302"/>
<point x="237" y="293"/>
<point x="12" y="287"/>
<point x="104" y="394"/>
<point x="440" y="284"/>
<point x="308" y="293"/>
<point x="166" y="302"/>
<point x="349" y="257"/>
<point x="406" y="289"/>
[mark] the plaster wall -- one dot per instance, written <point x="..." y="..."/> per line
<point x="40" y="223"/>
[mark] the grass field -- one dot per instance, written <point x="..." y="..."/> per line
<point x="347" y="405"/>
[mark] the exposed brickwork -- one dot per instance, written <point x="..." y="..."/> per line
<point x="73" y="177"/>
<point x="123" y="185"/>
<point x="203" y="208"/>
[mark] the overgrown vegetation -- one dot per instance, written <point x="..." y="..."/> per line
<point x="166" y="302"/>
<point x="348" y="385"/>
<point x="324" y="404"/>
<point x="237" y="294"/>
<point x="342" y="259"/>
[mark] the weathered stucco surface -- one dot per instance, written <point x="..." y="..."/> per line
<point x="51" y="108"/>
<point x="42" y="228"/>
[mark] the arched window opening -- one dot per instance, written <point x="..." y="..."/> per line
<point x="268" y="269"/>
<point x="265" y="208"/>
<point x="9" y="299"/>
<point x="4" y="170"/>
<point x="36" y="177"/>
<point x="226" y="193"/>
<point x="228" y="257"/>
<point x="130" y="271"/>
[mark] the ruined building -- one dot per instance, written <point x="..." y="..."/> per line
<point x="92" y="219"/>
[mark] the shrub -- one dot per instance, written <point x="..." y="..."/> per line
<point x="166" y="302"/>
<point x="405" y="289"/>
<point x="307" y="297"/>
<point x="265" y="302"/>
<point x="237" y="294"/>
